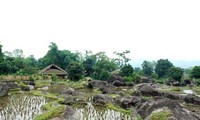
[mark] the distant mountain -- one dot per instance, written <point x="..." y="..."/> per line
<point x="178" y="63"/>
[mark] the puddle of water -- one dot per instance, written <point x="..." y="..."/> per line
<point x="90" y="113"/>
<point x="188" y="91"/>
<point x="20" y="107"/>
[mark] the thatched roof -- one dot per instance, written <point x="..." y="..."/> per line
<point x="53" y="69"/>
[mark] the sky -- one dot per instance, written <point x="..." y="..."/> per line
<point x="150" y="29"/>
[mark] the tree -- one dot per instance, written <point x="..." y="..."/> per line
<point x="147" y="67"/>
<point x="88" y="65"/>
<point x="175" y="73"/>
<point x="61" y="58"/>
<point x="122" y="59"/>
<point x="127" y="70"/>
<point x="103" y="66"/>
<point x="18" y="53"/>
<point x="75" y="70"/>
<point x="31" y="61"/>
<point x="1" y="53"/>
<point x="196" y="72"/>
<point x="162" y="67"/>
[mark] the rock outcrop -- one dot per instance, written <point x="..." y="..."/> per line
<point x="3" y="89"/>
<point x="70" y="114"/>
<point x="176" y="109"/>
<point x="114" y="77"/>
<point x="96" y="83"/>
<point x="102" y="99"/>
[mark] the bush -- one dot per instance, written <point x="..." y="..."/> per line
<point x="161" y="81"/>
<point x="54" y="78"/>
<point x="133" y="78"/>
<point x="196" y="72"/>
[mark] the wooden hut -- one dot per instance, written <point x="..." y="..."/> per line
<point x="53" y="70"/>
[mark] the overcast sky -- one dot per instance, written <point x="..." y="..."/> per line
<point x="151" y="29"/>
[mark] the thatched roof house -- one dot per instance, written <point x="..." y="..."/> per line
<point x="53" y="70"/>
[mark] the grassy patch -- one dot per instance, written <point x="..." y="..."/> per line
<point x="113" y="95"/>
<point x="196" y="89"/>
<point x="174" y="90"/>
<point x="115" y="108"/>
<point x="42" y="83"/>
<point x="16" y="89"/>
<point x="147" y="97"/>
<point x="52" y="112"/>
<point x="47" y="95"/>
<point x="162" y="115"/>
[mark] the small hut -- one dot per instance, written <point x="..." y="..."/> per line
<point x="53" y="70"/>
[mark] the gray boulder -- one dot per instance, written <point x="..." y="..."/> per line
<point x="147" y="90"/>
<point x="190" y="98"/>
<point x="102" y="99"/>
<point x="114" y="77"/>
<point x="70" y="114"/>
<point x="118" y="83"/>
<point x="68" y="91"/>
<point x="129" y="101"/>
<point x="157" y="103"/>
<point x="96" y="83"/>
<point x="108" y="89"/>
<point x="3" y="89"/>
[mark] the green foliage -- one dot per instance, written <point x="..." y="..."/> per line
<point x="162" y="67"/>
<point x="103" y="67"/>
<point x="54" y="77"/>
<point x="88" y="65"/>
<point x="197" y="81"/>
<point x="75" y="71"/>
<point x="29" y="70"/>
<point x="61" y="58"/>
<point x="132" y="78"/>
<point x="161" y="80"/>
<point x="116" y="108"/>
<point x="52" y="112"/>
<point x="104" y="75"/>
<point x="162" y="115"/>
<point x="196" y="72"/>
<point x="175" y="73"/>
<point x="122" y="59"/>
<point x="1" y="53"/>
<point x="127" y="70"/>
<point x="147" y="67"/>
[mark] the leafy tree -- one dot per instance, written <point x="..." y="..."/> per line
<point x="147" y="67"/>
<point x="1" y="53"/>
<point x="127" y="70"/>
<point x="103" y="66"/>
<point x="5" y="67"/>
<point x="88" y="65"/>
<point x="29" y="70"/>
<point x="31" y="61"/>
<point x="75" y="70"/>
<point x="196" y="72"/>
<point x="61" y="58"/>
<point x="162" y="67"/>
<point x="175" y="73"/>
<point x="122" y="59"/>
<point x="18" y="53"/>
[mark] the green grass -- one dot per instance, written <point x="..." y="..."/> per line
<point x="50" y="113"/>
<point x="115" y="108"/>
<point x="147" y="97"/>
<point x="174" y="90"/>
<point x="162" y="115"/>
<point x="113" y="95"/>
<point x="47" y="95"/>
<point x="42" y="83"/>
<point x="196" y="89"/>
